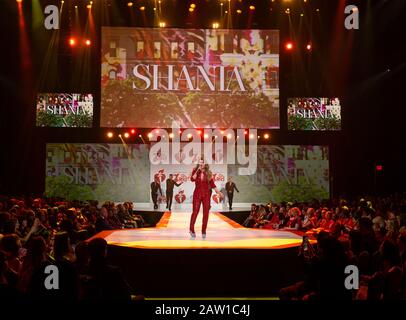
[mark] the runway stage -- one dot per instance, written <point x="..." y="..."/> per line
<point x="163" y="261"/>
<point x="171" y="232"/>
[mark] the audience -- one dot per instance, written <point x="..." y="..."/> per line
<point x="369" y="233"/>
<point x="36" y="233"/>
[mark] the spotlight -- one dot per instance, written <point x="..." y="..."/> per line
<point x="189" y="135"/>
<point x="110" y="134"/>
<point x="132" y="131"/>
<point x="142" y="8"/>
<point x="252" y="8"/>
<point x="266" y="136"/>
<point x="222" y="131"/>
<point x="251" y="136"/>
<point x="229" y="136"/>
<point x="72" y="42"/>
<point x="130" y="4"/>
<point x="206" y="135"/>
<point x="171" y="135"/>
<point x="150" y="135"/>
<point x="76" y="7"/>
<point x="287" y="11"/>
<point x="88" y="42"/>
<point x="156" y="131"/>
<point x="119" y="135"/>
<point x="245" y="132"/>
<point x="199" y="132"/>
<point x="193" y="5"/>
<point x="309" y="47"/>
<point x="162" y="24"/>
<point x="289" y="46"/>
<point x="215" y="25"/>
<point x="126" y="135"/>
<point x="191" y="9"/>
<point x="19" y="1"/>
<point x="89" y="6"/>
<point x="140" y="136"/>
<point x="239" y="11"/>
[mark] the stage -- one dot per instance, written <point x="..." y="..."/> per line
<point x="171" y="232"/>
<point x="233" y="261"/>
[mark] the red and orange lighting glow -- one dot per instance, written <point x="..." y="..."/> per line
<point x="133" y="131"/>
<point x="72" y="42"/>
<point x="289" y="46"/>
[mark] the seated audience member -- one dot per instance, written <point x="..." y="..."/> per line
<point x="106" y="282"/>
<point x="102" y="222"/>
<point x="327" y="223"/>
<point x="7" y="291"/>
<point x="308" y="222"/>
<point x="68" y="279"/>
<point x="294" y="221"/>
<point x="386" y="284"/>
<point x="35" y="258"/>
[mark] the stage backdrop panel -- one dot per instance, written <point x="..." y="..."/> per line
<point x="198" y="77"/>
<point x="64" y="110"/>
<point x="285" y="173"/>
<point x="98" y="172"/>
<point x="314" y="114"/>
<point x="117" y="173"/>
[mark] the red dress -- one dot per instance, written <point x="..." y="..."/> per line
<point x="201" y="195"/>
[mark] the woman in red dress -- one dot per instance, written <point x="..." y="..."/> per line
<point x="203" y="179"/>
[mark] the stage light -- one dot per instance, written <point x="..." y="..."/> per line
<point x="88" y="42"/>
<point x="162" y="24"/>
<point x="110" y="134"/>
<point x="206" y="135"/>
<point x="251" y="136"/>
<point x="119" y="135"/>
<point x="171" y="135"/>
<point x="252" y="8"/>
<point x="189" y="135"/>
<point x="222" y="131"/>
<point x="126" y="135"/>
<point x="180" y="131"/>
<point x="199" y="132"/>
<point x="193" y="5"/>
<point x="156" y="131"/>
<point x="89" y="6"/>
<point x="150" y="135"/>
<point x="142" y="8"/>
<point x="19" y="1"/>
<point x="239" y="11"/>
<point x="266" y="136"/>
<point x="132" y="131"/>
<point x="309" y="47"/>
<point x="287" y="11"/>
<point x="317" y="10"/>
<point x="226" y="11"/>
<point x="215" y="25"/>
<point x="302" y="14"/>
<point x="130" y="4"/>
<point x="229" y="136"/>
<point x="289" y="46"/>
<point x="76" y="7"/>
<point x="191" y="9"/>
<point x="72" y="42"/>
<point x="140" y="136"/>
<point x="245" y="132"/>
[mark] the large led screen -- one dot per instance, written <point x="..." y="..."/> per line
<point x="314" y="114"/>
<point x="64" y="110"/>
<point x="120" y="173"/>
<point x="201" y="78"/>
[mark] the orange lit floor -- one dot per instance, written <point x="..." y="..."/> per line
<point x="222" y="233"/>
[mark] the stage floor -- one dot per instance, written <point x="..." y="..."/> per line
<point x="222" y="233"/>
